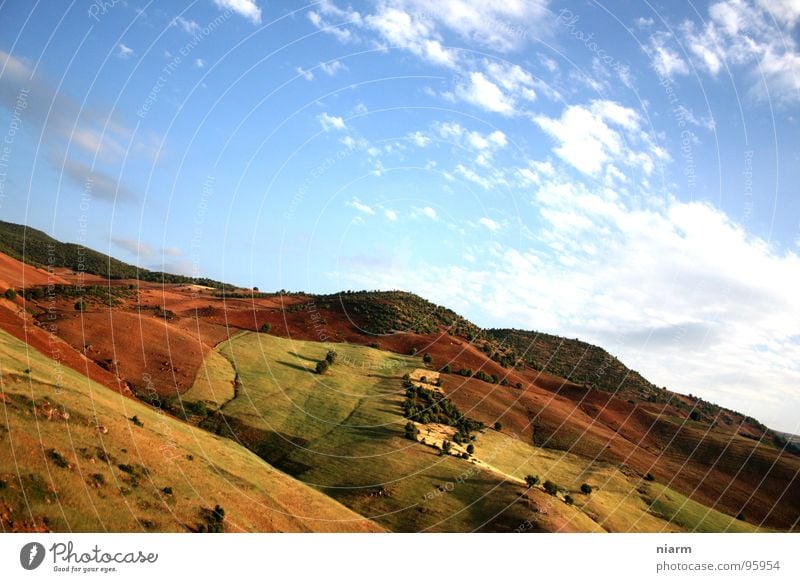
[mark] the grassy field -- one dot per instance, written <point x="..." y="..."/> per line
<point x="214" y="383"/>
<point x="75" y="456"/>
<point x="618" y="502"/>
<point x="343" y="432"/>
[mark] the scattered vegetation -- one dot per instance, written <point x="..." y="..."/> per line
<point x="427" y="406"/>
<point x="213" y="520"/>
<point x="532" y="480"/>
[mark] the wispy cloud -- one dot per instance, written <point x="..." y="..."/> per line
<point x="246" y="8"/>
<point x="329" y="122"/>
<point x="360" y="206"/>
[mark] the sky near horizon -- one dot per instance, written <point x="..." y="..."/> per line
<point x="624" y="173"/>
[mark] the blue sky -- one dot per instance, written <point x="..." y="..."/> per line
<point x="626" y="175"/>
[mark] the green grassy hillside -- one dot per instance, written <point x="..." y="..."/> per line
<point x="75" y="456"/>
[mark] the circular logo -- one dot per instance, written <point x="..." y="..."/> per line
<point x="31" y="555"/>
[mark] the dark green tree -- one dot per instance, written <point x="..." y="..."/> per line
<point x="427" y="358"/>
<point x="265" y="328"/>
<point x="586" y="489"/>
<point x="10" y="294"/>
<point x="412" y="432"/>
<point x="321" y="367"/>
<point x="531" y="480"/>
<point x="330" y="357"/>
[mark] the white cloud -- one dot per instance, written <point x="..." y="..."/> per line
<point x="501" y="25"/>
<point x="481" y="92"/>
<point x="187" y="24"/>
<point x="360" y="206"/>
<point x="409" y="30"/>
<point x="199" y="63"/>
<point x="390" y="214"/>
<point x="665" y="60"/>
<point x="490" y="224"/>
<point x="419" y="139"/>
<point x="307" y="75"/>
<point x="124" y="51"/>
<point x="330" y="122"/>
<point x="246" y="8"/>
<point x="589" y="137"/>
<point x="429" y="212"/>
<point x="332" y="67"/>
<point x="742" y="34"/>
<point x="335" y="21"/>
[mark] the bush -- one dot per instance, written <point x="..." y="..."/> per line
<point x="79" y="305"/>
<point x="586" y="489"/>
<point x="550" y="487"/>
<point x="470" y="448"/>
<point x="427" y="358"/>
<point x="518" y="385"/>
<point x="213" y="520"/>
<point x="447" y="446"/>
<point x="265" y="328"/>
<point x="649" y="477"/>
<point x="531" y="480"/>
<point x="498" y="426"/>
<point x="457" y="438"/>
<point x="445" y="369"/>
<point x="10" y="294"/>
<point x="167" y="490"/>
<point x="413" y="351"/>
<point x="411" y="431"/>
<point x="568" y="499"/>
<point x="321" y="367"/>
<point x="741" y="517"/>
<point x="330" y="357"/>
<point x="694" y="415"/>
<point x="135" y="420"/>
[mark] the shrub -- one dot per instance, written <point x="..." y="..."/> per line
<point x="214" y="519"/>
<point x="470" y="448"/>
<point x="445" y="369"/>
<point x="504" y="382"/>
<point x="498" y="426"/>
<point x="694" y="415"/>
<point x="586" y="489"/>
<point x="518" y="385"/>
<point x="411" y="431"/>
<point x="427" y="358"/>
<point x="550" y="487"/>
<point x="58" y="459"/>
<point x="330" y="357"/>
<point x="447" y="446"/>
<point x="10" y="294"/>
<point x="413" y="351"/>
<point x="79" y="305"/>
<point x="135" y="420"/>
<point x="531" y="480"/>
<point x="741" y="517"/>
<point x="167" y="490"/>
<point x="321" y="367"/>
<point x="568" y="499"/>
<point x="649" y="477"/>
<point x="265" y="328"/>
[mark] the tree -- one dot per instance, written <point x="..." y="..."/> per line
<point x="413" y="351"/>
<point x="518" y="385"/>
<point x="550" y="487"/>
<point x="265" y="327"/>
<point x="470" y="448"/>
<point x="445" y="369"/>
<point x="79" y="306"/>
<point x="586" y="489"/>
<point x="649" y="477"/>
<point x="10" y="294"/>
<point x="457" y="438"/>
<point x="568" y="499"/>
<point x="498" y="426"/>
<point x="255" y="289"/>
<point x="447" y="446"/>
<point x="412" y="432"/>
<point x="321" y="367"/>
<point x="330" y="357"/>
<point x="427" y="358"/>
<point x="694" y="415"/>
<point x="531" y="480"/>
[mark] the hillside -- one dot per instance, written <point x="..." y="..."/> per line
<point x="75" y="456"/>
<point x="41" y="250"/>
<point x="575" y="414"/>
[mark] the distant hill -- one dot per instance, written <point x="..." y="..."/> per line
<point x="36" y="248"/>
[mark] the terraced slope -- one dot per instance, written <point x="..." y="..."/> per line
<point x="75" y="456"/>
